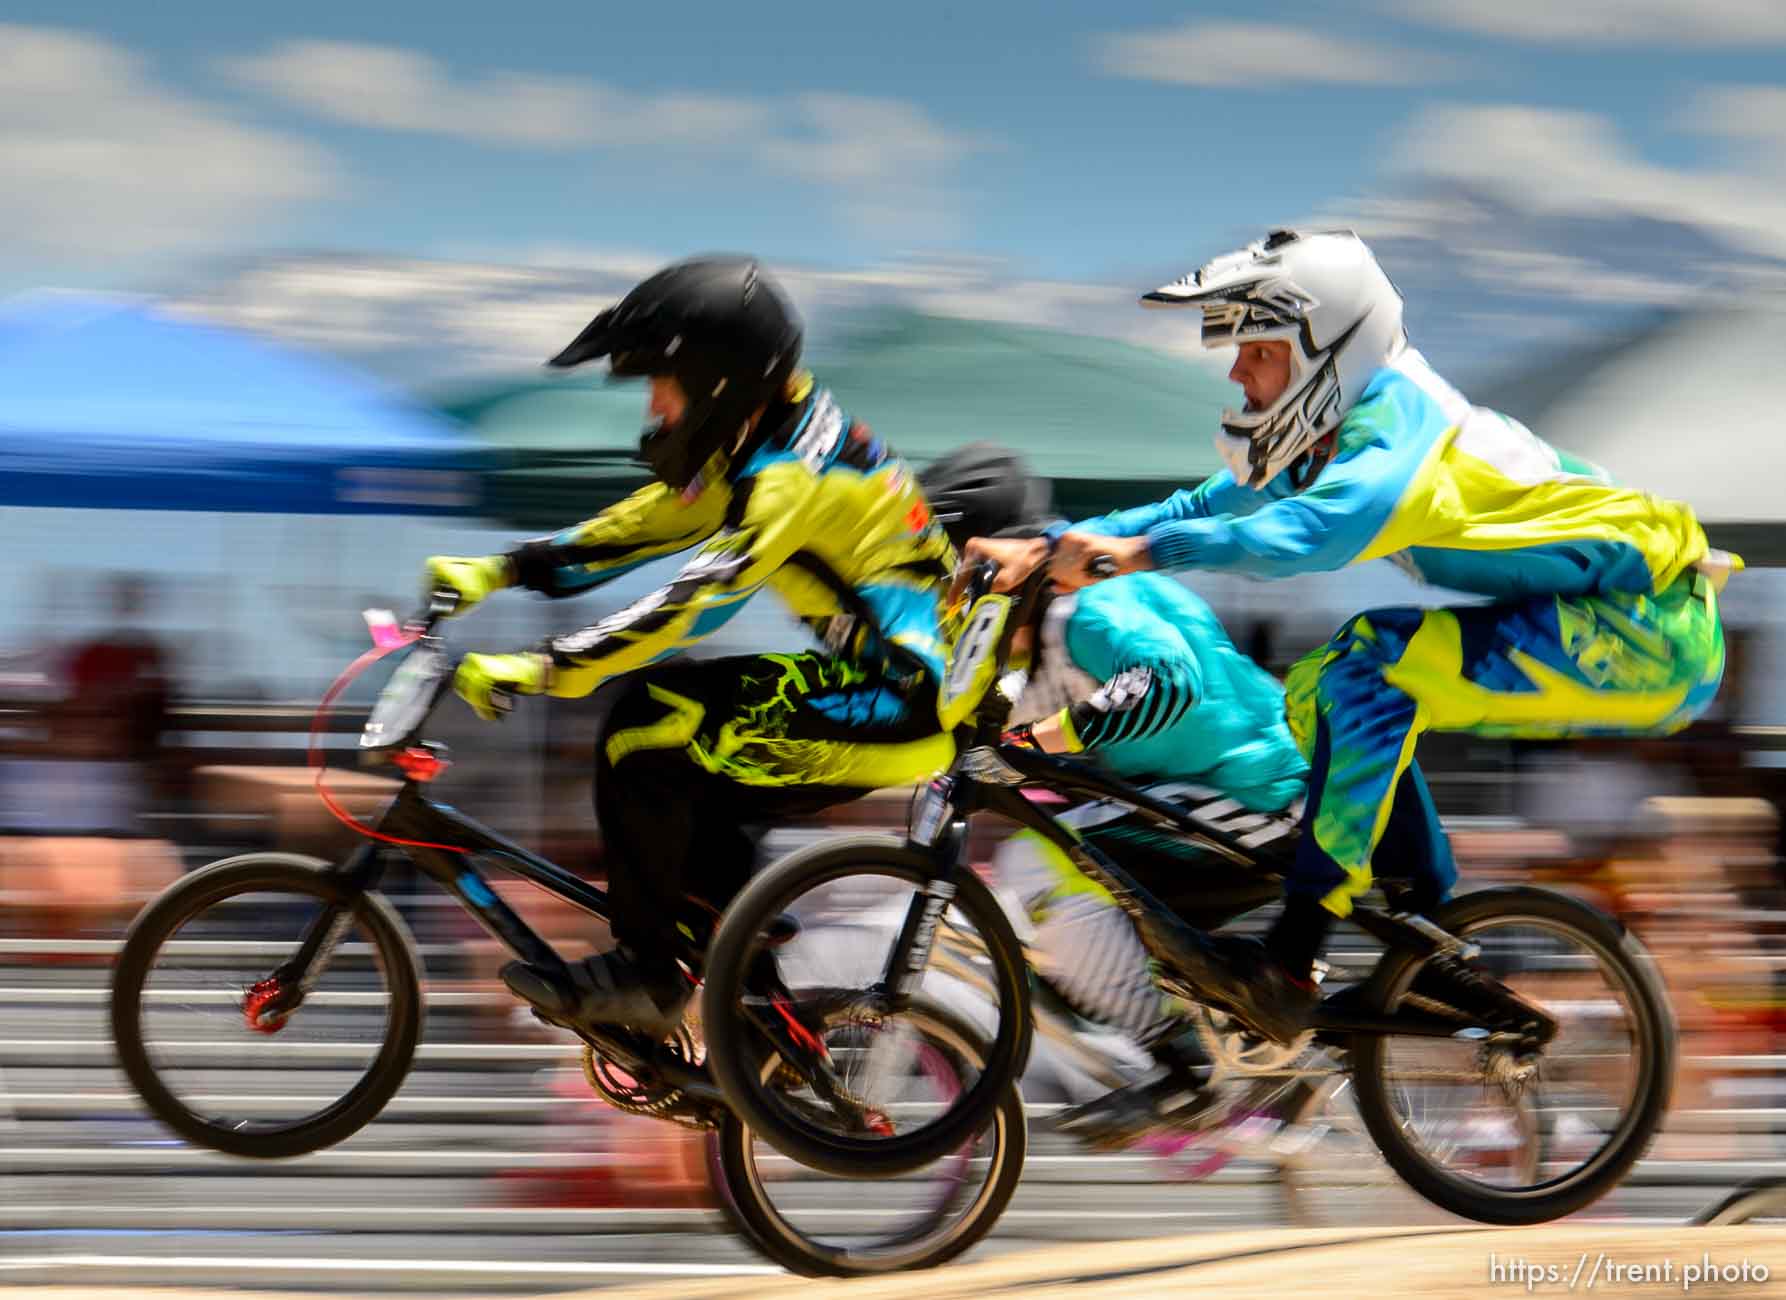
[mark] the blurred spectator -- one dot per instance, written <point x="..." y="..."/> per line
<point x="78" y="859"/>
<point x="1593" y="792"/>
<point x="117" y="683"/>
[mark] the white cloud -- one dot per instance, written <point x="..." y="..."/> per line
<point x="1539" y="271"/>
<point x="1753" y="117"/>
<point x="1552" y="161"/>
<point x="855" y="140"/>
<point x="1258" y="54"/>
<point x="435" y="319"/>
<point x="888" y="160"/>
<point x="394" y="89"/>
<point x="1673" y="23"/>
<point x="98" y="159"/>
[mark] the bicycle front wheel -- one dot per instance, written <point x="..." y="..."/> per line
<point x="232" y="1047"/>
<point x="855" y="1114"/>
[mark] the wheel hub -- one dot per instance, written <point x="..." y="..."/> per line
<point x="261" y="1010"/>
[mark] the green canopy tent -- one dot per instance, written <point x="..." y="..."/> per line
<point x="1111" y="423"/>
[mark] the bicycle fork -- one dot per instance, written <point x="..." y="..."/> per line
<point x="269" y="1003"/>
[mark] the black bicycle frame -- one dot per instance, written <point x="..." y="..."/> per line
<point x="987" y="778"/>
<point x="412" y="816"/>
<point x="418" y="823"/>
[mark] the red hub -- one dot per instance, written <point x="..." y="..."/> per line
<point x="260" y="996"/>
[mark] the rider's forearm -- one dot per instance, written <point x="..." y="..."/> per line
<point x="706" y="592"/>
<point x="651" y="628"/>
<point x="648" y="525"/>
<point x="1135" y="522"/>
<point x="1306" y="534"/>
<point x="1217" y="494"/>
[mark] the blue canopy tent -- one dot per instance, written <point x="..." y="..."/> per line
<point x="107" y="404"/>
<point x="265" y="487"/>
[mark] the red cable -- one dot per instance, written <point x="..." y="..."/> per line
<point x="342" y="682"/>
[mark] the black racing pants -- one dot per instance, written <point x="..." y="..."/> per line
<point x="697" y="758"/>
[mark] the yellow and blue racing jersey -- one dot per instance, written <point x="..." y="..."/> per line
<point x="1458" y="495"/>
<point x="820" y="510"/>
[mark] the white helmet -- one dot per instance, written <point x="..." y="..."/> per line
<point x="1325" y="295"/>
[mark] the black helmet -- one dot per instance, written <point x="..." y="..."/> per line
<point x="727" y="333"/>
<point x="982" y="490"/>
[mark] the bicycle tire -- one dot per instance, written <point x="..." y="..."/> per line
<point x="267" y="873"/>
<point x="1607" y="1168"/>
<point x="927" y="1244"/>
<point x="733" y="1045"/>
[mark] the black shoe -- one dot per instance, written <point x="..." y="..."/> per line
<point x="610" y="990"/>
<point x="1239" y="976"/>
<point x="1117" y="1119"/>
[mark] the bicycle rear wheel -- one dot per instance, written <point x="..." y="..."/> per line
<point x="830" y="1227"/>
<point x="854" y="897"/>
<point x="1595" y="1094"/>
<point x="203" y="1016"/>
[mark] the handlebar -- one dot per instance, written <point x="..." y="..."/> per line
<point x="980" y="581"/>
<point x="442" y="603"/>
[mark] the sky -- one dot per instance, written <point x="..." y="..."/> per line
<point x="459" y="181"/>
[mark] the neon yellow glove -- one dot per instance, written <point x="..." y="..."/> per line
<point x="472" y="577"/>
<point x="484" y="681"/>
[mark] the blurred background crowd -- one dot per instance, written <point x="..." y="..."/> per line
<point x="261" y="357"/>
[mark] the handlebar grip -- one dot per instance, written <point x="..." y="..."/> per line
<point x="442" y="602"/>
<point x="981" y="581"/>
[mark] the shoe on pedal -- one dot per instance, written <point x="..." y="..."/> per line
<point x="1118" y="1119"/>
<point x="610" y="990"/>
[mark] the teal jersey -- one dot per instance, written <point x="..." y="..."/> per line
<point x="1148" y="683"/>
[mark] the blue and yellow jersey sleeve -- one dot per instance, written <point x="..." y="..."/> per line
<point x="1460" y="496"/>
<point x="1275" y="533"/>
<point x="1217" y="495"/>
<point x="651" y="523"/>
<point x="771" y="522"/>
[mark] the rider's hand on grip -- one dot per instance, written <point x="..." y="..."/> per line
<point x="1014" y="559"/>
<point x="1081" y="559"/>
<point x="489" y="683"/>
<point x="469" y="578"/>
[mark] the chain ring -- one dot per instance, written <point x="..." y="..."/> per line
<point x="1238" y="1051"/>
<point x="659" y="1102"/>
